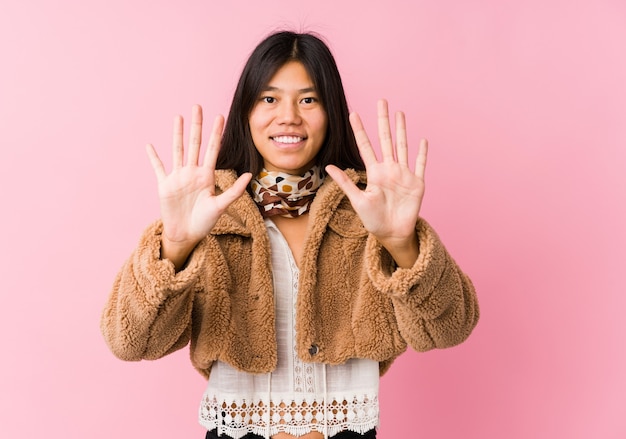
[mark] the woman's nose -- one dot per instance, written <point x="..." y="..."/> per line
<point x="288" y="113"/>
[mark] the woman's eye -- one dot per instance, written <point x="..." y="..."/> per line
<point x="308" y="100"/>
<point x="268" y="99"/>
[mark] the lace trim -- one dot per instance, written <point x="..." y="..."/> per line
<point x="303" y="373"/>
<point x="236" y="418"/>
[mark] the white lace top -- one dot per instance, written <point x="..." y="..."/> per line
<point x="297" y="397"/>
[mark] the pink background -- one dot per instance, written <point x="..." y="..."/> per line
<point x="524" y="104"/>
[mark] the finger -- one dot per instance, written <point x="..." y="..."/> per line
<point x="402" y="146"/>
<point x="344" y="182"/>
<point x="235" y="191"/>
<point x="420" y="161"/>
<point x="156" y="162"/>
<point x="363" y="142"/>
<point x="384" y="131"/>
<point x="177" y="143"/>
<point x="195" y="137"/>
<point x="213" y="148"/>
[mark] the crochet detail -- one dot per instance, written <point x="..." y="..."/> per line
<point x="238" y="418"/>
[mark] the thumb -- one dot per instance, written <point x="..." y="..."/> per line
<point x="236" y="190"/>
<point x="344" y="182"/>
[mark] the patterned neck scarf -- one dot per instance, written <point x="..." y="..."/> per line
<point x="278" y="193"/>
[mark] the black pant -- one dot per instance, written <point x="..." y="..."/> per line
<point x="342" y="435"/>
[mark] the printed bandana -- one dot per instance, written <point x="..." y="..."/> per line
<point x="278" y="193"/>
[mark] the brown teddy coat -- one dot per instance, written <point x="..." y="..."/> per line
<point x="352" y="300"/>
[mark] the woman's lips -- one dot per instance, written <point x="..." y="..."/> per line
<point x="287" y="139"/>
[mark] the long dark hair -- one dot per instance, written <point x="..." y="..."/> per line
<point x="238" y="151"/>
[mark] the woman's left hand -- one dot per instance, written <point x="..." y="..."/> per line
<point x="390" y="204"/>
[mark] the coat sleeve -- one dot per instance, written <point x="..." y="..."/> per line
<point x="148" y="313"/>
<point x="434" y="301"/>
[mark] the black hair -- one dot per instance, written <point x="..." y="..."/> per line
<point x="339" y="148"/>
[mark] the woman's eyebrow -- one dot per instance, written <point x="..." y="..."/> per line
<point x="302" y="90"/>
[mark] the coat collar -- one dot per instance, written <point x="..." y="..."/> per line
<point x="243" y="217"/>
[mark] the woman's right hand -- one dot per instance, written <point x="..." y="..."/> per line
<point x="189" y="206"/>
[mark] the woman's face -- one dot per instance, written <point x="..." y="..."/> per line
<point x="288" y="123"/>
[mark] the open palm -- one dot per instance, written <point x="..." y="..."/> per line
<point x="189" y="206"/>
<point x="390" y="204"/>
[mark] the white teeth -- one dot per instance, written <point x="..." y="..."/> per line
<point x="287" y="139"/>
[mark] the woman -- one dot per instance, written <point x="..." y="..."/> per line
<point x="293" y="261"/>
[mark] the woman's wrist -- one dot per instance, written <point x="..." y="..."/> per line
<point x="403" y="251"/>
<point x="176" y="252"/>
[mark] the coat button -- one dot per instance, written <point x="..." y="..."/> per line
<point x="313" y="350"/>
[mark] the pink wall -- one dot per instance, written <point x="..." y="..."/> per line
<point x="524" y="104"/>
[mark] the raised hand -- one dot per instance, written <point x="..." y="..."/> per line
<point x="189" y="206"/>
<point x="390" y="204"/>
